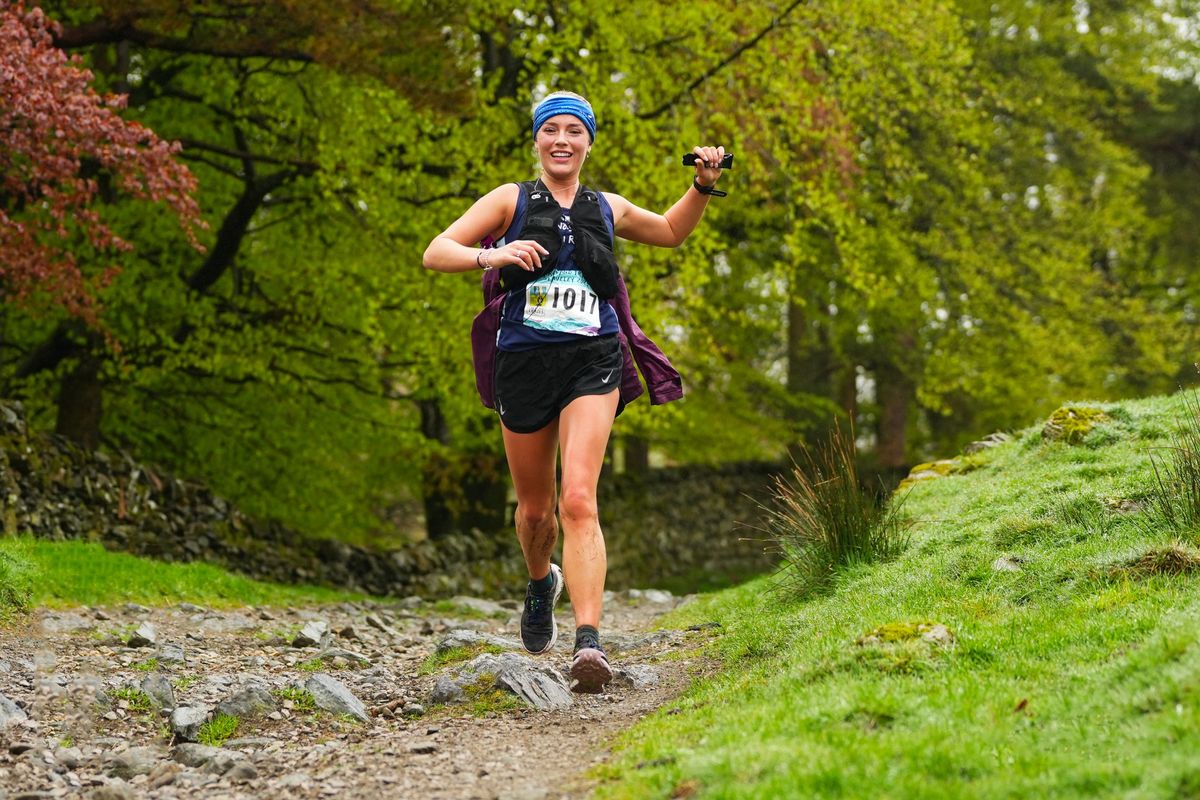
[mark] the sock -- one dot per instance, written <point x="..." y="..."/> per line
<point x="543" y="585"/>
<point x="584" y="633"/>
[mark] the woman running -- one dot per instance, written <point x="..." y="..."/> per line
<point x="562" y="351"/>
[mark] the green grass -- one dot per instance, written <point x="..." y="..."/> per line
<point x="1078" y="676"/>
<point x="217" y="730"/>
<point x="135" y="699"/>
<point x="34" y="572"/>
<point x="454" y="655"/>
<point x="301" y="699"/>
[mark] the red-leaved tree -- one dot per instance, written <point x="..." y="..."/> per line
<point x="60" y="143"/>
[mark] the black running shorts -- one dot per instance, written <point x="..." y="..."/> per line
<point x="534" y="386"/>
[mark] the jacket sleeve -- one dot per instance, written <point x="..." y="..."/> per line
<point x="663" y="381"/>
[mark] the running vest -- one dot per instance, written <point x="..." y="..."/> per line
<point x="568" y="295"/>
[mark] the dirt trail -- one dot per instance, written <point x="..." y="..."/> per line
<point x="80" y="724"/>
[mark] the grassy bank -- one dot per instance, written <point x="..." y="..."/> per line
<point x="1073" y="676"/>
<point x="41" y="573"/>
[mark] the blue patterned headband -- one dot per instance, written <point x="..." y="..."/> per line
<point x="564" y="104"/>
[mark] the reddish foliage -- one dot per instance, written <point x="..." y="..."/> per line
<point x="55" y="133"/>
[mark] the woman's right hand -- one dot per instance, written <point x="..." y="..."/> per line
<point x="525" y="253"/>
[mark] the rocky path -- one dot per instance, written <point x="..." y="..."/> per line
<point x="370" y="700"/>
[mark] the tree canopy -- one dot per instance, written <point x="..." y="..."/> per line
<point x="944" y="219"/>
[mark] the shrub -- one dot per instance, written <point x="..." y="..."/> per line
<point x="823" y="519"/>
<point x="1175" y="493"/>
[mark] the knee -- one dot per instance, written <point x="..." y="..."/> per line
<point x="535" y="515"/>
<point x="578" y="505"/>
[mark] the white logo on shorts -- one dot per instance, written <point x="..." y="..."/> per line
<point x="606" y="377"/>
<point x="500" y="406"/>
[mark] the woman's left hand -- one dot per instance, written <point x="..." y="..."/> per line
<point x="708" y="160"/>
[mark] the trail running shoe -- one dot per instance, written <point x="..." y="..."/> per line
<point x="590" y="671"/>
<point x="539" y="631"/>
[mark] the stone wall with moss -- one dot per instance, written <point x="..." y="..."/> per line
<point x="671" y="528"/>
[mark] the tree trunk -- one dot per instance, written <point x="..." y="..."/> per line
<point x="637" y="455"/>
<point x="435" y="475"/>
<point x="895" y="391"/>
<point x="80" y="405"/>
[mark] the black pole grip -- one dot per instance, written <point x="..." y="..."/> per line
<point x="689" y="160"/>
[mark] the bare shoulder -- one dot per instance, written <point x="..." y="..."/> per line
<point x="618" y="204"/>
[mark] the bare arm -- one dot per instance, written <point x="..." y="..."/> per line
<point x="672" y="228"/>
<point x="454" y="250"/>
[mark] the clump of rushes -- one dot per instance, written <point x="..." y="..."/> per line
<point x="823" y="519"/>
<point x="1175" y="492"/>
<point x="1173" y="560"/>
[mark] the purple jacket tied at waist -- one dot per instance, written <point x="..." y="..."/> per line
<point x="662" y="380"/>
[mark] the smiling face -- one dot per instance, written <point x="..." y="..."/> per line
<point x="562" y="142"/>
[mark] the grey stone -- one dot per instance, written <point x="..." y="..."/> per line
<point x="195" y="755"/>
<point x="467" y="638"/>
<point x="186" y="722"/>
<point x="1007" y="564"/>
<point x="252" y="700"/>
<point x="336" y="652"/>
<point x="538" y="685"/>
<point x="446" y="690"/>
<point x="134" y="608"/>
<point x="131" y="762"/>
<point x="656" y="596"/>
<point x="191" y="608"/>
<point x="332" y="696"/>
<point x="250" y="743"/>
<point x="987" y="442"/>
<point x="635" y="676"/>
<point x="242" y="771"/>
<point x="618" y="642"/>
<point x="164" y="774"/>
<point x="171" y="654"/>
<point x="486" y="607"/>
<point x="411" y="602"/>
<point x="377" y="623"/>
<point x="10" y="712"/>
<point x="222" y="761"/>
<point x="66" y="622"/>
<point x="414" y="710"/>
<point x="117" y="790"/>
<point x="5" y="667"/>
<point x="69" y="757"/>
<point x="312" y="634"/>
<point x="145" y="636"/>
<point x="159" y="689"/>
<point x="17" y="748"/>
<point x="348" y="632"/>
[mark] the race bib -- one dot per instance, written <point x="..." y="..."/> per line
<point x="562" y="301"/>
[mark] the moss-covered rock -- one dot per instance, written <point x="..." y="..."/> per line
<point x="893" y="632"/>
<point x="1071" y="424"/>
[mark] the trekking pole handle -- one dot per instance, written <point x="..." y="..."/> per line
<point x="689" y="160"/>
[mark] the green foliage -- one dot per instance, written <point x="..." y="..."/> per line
<point x="454" y="655"/>
<point x="135" y="699"/>
<point x="149" y="665"/>
<point x="944" y="217"/>
<point x="74" y="573"/>
<point x="823" y="520"/>
<point x="301" y="700"/>
<point x="217" y="730"/>
<point x="17" y="574"/>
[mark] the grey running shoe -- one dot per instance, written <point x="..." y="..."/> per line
<point x="539" y="631"/>
<point x="590" y="671"/>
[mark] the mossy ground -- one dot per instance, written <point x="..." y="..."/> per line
<point x="1076" y="676"/>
